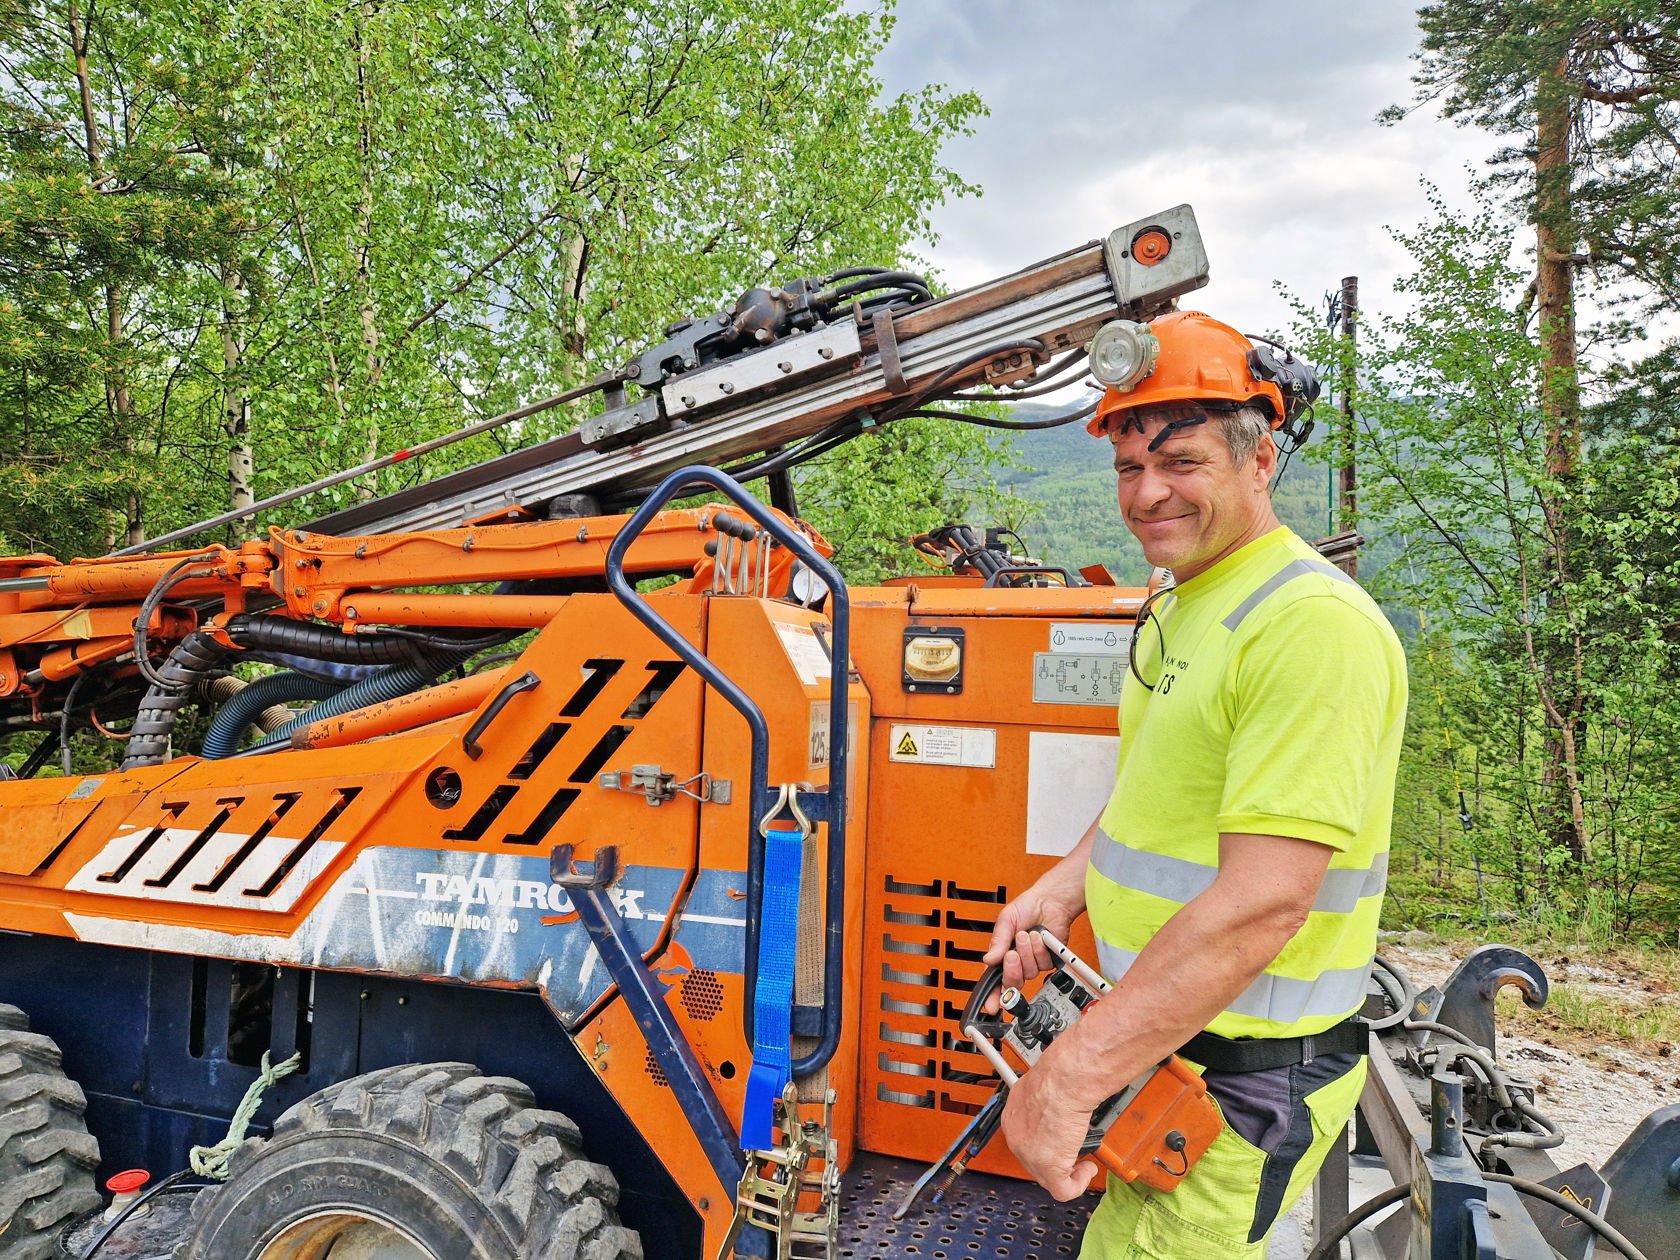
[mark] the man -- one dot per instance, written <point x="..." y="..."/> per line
<point x="1235" y="878"/>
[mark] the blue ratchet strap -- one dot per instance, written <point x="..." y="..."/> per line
<point x="778" y="938"/>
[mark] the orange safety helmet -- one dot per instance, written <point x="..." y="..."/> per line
<point x="1200" y="359"/>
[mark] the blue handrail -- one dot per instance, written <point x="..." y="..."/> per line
<point x="829" y="806"/>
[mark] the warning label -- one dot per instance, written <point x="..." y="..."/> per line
<point x="944" y="745"/>
<point x="805" y="652"/>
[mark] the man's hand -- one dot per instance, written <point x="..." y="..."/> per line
<point x="1045" y="1125"/>
<point x="1055" y="901"/>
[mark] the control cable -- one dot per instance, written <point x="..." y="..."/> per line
<point x="1331" y="1239"/>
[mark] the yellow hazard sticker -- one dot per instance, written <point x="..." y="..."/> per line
<point x="974" y="746"/>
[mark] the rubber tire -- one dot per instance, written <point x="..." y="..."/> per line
<point x="467" y="1165"/>
<point x="47" y="1157"/>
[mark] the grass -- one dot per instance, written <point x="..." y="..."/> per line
<point x="1647" y="1025"/>
<point x="1626" y="995"/>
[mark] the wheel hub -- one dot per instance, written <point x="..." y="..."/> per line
<point x="340" y="1235"/>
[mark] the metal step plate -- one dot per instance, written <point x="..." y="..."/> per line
<point x="980" y="1218"/>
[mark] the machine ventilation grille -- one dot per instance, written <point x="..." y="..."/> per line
<point x="933" y="936"/>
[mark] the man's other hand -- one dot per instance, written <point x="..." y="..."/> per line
<point x="1055" y="901"/>
<point x="1045" y="1129"/>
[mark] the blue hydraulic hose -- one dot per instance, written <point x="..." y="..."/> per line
<point x="232" y="720"/>
<point x="387" y="684"/>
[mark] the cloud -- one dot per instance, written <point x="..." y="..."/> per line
<point x="1260" y="116"/>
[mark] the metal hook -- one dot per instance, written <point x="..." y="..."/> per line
<point x="787" y="798"/>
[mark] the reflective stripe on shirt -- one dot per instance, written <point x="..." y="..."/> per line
<point x="1289" y="572"/>
<point x="1179" y="880"/>
<point x="1282" y="999"/>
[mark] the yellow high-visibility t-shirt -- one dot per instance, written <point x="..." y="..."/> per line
<point x="1278" y="708"/>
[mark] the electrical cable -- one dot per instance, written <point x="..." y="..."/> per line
<point x="148" y="605"/>
<point x="986" y="422"/>
<point x="851" y="426"/>
<point x="1043" y="381"/>
<point x="930" y="391"/>
<point x="64" y="722"/>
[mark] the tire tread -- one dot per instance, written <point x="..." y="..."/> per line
<point x="523" y="1162"/>
<point x="47" y="1156"/>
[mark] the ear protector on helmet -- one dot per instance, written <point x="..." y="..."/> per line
<point x="1296" y="381"/>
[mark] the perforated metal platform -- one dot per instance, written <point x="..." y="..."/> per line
<point x="980" y="1218"/>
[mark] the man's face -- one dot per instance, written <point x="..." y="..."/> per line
<point x="1187" y="501"/>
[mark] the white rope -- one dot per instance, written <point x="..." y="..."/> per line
<point x="212" y="1161"/>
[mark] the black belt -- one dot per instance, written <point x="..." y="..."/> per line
<point x="1256" y="1054"/>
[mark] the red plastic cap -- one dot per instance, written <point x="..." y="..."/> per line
<point x="128" y="1182"/>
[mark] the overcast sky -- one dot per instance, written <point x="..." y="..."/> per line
<point x="1260" y="115"/>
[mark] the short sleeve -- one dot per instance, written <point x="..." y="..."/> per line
<point x="1314" y="696"/>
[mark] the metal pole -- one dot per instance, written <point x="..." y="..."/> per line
<point x="1349" y="502"/>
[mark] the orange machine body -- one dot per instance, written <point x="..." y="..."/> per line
<point x="378" y="845"/>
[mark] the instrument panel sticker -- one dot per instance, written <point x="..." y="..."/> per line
<point x="973" y="746"/>
<point x="809" y="657"/>
<point x="819" y="748"/>
<point x="1060" y="678"/>
<point x="1091" y="638"/>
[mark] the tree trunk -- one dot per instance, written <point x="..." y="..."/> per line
<point x="1560" y="410"/>
<point x="236" y="398"/>
<point x="119" y="403"/>
<point x="362" y="245"/>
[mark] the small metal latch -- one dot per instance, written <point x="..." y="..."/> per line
<point x="659" y="787"/>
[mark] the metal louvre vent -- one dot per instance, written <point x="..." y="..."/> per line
<point x="224" y="849"/>
<point x="567" y="755"/>
<point x="933" y="937"/>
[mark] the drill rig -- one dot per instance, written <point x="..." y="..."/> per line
<point x="621" y="887"/>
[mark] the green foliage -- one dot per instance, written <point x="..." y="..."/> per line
<point x="337" y="230"/>
<point x="1453" y="448"/>
<point x="871" y="495"/>
<point x="1614" y="67"/>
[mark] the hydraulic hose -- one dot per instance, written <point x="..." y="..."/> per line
<point x="387" y="684"/>
<point x="194" y="658"/>
<point x="199" y="655"/>
<point x="322" y="643"/>
<point x="237" y="714"/>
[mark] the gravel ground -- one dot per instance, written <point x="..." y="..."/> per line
<point x="1596" y="1094"/>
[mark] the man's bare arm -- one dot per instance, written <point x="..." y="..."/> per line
<point x="1200" y="960"/>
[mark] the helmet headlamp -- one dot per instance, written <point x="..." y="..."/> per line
<point x="1123" y="354"/>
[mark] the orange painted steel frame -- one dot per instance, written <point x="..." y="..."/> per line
<point x="248" y="859"/>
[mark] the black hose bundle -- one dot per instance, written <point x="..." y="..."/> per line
<point x="195" y="658"/>
<point x="201" y="654"/>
